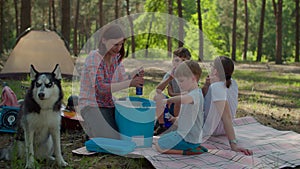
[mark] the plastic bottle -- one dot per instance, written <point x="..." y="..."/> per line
<point x="167" y="116"/>
<point x="139" y="90"/>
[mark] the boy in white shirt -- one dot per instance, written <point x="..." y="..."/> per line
<point x="187" y="138"/>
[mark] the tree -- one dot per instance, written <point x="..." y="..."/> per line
<point x="101" y="15"/>
<point x="297" y="31"/>
<point x="278" y="16"/>
<point x="180" y="29"/>
<point x="261" y="31"/>
<point x="65" y="20"/>
<point x="75" y="46"/>
<point x="246" y="31"/>
<point x="53" y="14"/>
<point x="117" y="9"/>
<point x="2" y="23"/>
<point x="131" y="30"/>
<point x="201" y="40"/>
<point x="233" y="46"/>
<point x="169" y="38"/>
<point x="17" y="17"/>
<point x="25" y="15"/>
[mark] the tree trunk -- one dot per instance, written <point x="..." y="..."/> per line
<point x="180" y="29"/>
<point x="278" y="16"/>
<point x="17" y="17"/>
<point x="75" y="46"/>
<point x="25" y="15"/>
<point x="131" y="29"/>
<point x="117" y="9"/>
<point x="101" y="16"/>
<point x="53" y="14"/>
<point x="233" y="52"/>
<point x="201" y="41"/>
<point x="246" y="31"/>
<point x="65" y="21"/>
<point x="297" y="31"/>
<point x="261" y="31"/>
<point x="49" y="14"/>
<point x="169" y="28"/>
<point x="2" y="2"/>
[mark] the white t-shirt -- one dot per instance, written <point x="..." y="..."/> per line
<point x="219" y="92"/>
<point x="190" y="119"/>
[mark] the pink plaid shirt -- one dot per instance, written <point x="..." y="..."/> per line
<point x="96" y="79"/>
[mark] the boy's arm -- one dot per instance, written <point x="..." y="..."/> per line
<point x="164" y="83"/>
<point x="181" y="99"/>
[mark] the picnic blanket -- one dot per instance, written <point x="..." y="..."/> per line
<point x="271" y="149"/>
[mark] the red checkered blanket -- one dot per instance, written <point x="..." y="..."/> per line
<point x="272" y="149"/>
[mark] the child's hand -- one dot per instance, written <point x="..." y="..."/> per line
<point x="172" y="119"/>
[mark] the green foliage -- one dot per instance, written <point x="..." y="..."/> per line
<point x="216" y="20"/>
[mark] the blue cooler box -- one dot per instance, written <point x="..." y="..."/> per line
<point x="135" y="118"/>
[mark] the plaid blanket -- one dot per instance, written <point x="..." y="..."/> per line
<point x="272" y="149"/>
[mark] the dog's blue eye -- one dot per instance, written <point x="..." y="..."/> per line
<point x="38" y="84"/>
<point x="48" y="85"/>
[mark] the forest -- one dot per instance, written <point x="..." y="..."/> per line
<point x="245" y="30"/>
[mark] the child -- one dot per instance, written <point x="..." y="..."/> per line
<point x="187" y="137"/>
<point x="179" y="55"/>
<point x="221" y="94"/>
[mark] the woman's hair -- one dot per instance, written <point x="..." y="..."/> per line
<point x="225" y="68"/>
<point x="182" y="53"/>
<point x="189" y="68"/>
<point x="111" y="31"/>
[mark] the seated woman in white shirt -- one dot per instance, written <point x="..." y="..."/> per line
<point x="220" y="102"/>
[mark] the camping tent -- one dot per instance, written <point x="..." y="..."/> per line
<point x="43" y="49"/>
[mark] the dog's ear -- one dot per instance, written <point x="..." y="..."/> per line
<point x="33" y="72"/>
<point x="57" y="72"/>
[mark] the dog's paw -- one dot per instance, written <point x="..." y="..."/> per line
<point x="62" y="163"/>
<point x="29" y="165"/>
<point x="51" y="158"/>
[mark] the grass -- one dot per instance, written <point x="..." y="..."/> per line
<point x="269" y="95"/>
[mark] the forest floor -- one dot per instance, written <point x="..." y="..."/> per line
<point x="268" y="92"/>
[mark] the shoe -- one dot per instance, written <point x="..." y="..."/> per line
<point x="160" y="129"/>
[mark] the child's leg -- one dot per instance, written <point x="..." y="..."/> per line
<point x="173" y="143"/>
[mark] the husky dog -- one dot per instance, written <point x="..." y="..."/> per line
<point x="40" y="118"/>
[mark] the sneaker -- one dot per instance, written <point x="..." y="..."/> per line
<point x="160" y="129"/>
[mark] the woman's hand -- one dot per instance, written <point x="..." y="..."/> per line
<point x="236" y="148"/>
<point x="138" y="78"/>
<point x="137" y="81"/>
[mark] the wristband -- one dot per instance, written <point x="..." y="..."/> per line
<point x="234" y="141"/>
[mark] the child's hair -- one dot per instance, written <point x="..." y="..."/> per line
<point x="225" y="68"/>
<point x="189" y="68"/>
<point x="72" y="102"/>
<point x="112" y="31"/>
<point x="182" y="52"/>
